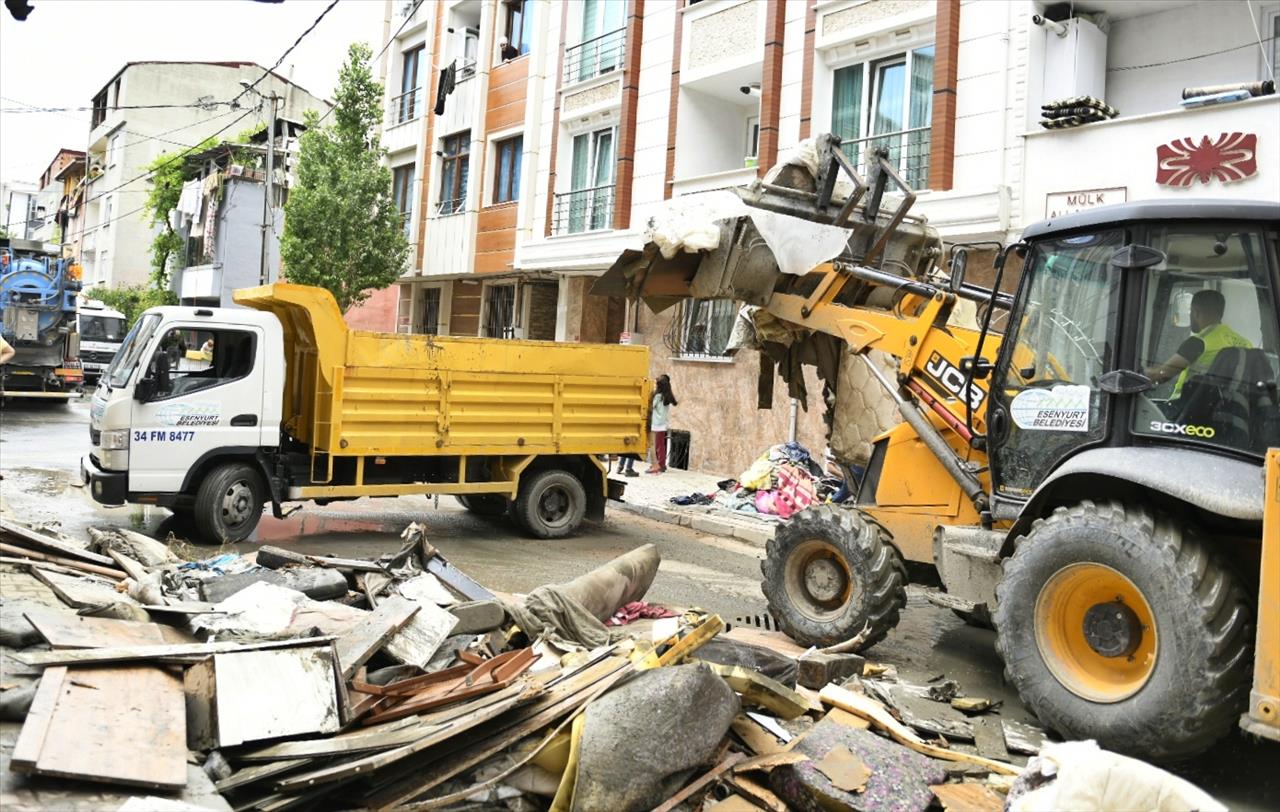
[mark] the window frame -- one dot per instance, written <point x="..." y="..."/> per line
<point x="433" y="330"/>
<point x="409" y="107"/>
<point x="686" y="320"/>
<point x="512" y="326"/>
<point x="517" y="34"/>
<point x="205" y="328"/>
<point x="453" y="184"/>
<point x="403" y="179"/>
<point x="512" y="161"/>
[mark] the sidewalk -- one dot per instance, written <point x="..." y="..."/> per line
<point x="650" y="496"/>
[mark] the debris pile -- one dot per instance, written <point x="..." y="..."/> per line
<point x="782" y="481"/>
<point x="247" y="682"/>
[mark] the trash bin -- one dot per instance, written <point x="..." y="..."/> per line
<point x="678" y="449"/>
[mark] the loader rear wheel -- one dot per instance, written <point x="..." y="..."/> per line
<point x="551" y="504"/>
<point x="229" y="504"/>
<point x="828" y="573"/>
<point x="485" y="504"/>
<point x="1117" y="623"/>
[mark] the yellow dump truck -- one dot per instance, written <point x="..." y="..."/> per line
<point x="292" y="406"/>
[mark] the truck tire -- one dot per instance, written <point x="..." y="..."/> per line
<point x="551" y="504"/>
<point x="485" y="504"/>
<point x="229" y="504"/>
<point x="1117" y="623"/>
<point x="830" y="572"/>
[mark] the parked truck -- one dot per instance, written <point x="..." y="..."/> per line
<point x="101" y="330"/>
<point x="215" y="412"/>
<point x="38" y="292"/>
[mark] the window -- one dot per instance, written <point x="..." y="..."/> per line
<point x="602" y="42"/>
<point x="192" y="360"/>
<point x="518" y="29"/>
<point x="115" y="95"/>
<point x="1212" y="305"/>
<point x="409" y="103"/>
<point x="500" y="311"/>
<point x="402" y="192"/>
<point x="506" y="182"/>
<point x="753" y="136"/>
<point x="470" y="49"/>
<point x="107" y="204"/>
<point x="126" y="358"/>
<point x="701" y="328"/>
<point x="113" y="150"/>
<point x="589" y="204"/>
<point x="887" y="103"/>
<point x="99" y="109"/>
<point x="430" y="322"/>
<point x="453" y="172"/>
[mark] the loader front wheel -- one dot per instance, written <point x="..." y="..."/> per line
<point x="229" y="504"/>
<point x="551" y="504"/>
<point x="831" y="572"/>
<point x="1117" y="623"/>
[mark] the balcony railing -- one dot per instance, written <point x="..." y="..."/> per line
<point x="451" y="206"/>
<point x="583" y="210"/>
<point x="908" y="152"/>
<point x="590" y="59"/>
<point x="405" y="107"/>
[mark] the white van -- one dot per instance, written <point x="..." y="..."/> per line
<point x="101" y="331"/>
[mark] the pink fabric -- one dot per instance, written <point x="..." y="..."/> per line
<point x="794" y="493"/>
<point x="637" y="610"/>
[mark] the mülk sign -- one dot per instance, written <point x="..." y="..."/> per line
<point x="1056" y="204"/>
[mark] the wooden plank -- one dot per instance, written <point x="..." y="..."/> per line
<point x="25" y="536"/>
<point x="80" y="591"/>
<point x="64" y="630"/>
<point x="36" y="725"/>
<point x="258" y="772"/>
<point x="121" y="654"/>
<point x="356" y="646"/>
<point x="134" y="569"/>
<point x="56" y="561"/>
<point x="370" y="738"/>
<point x="277" y="693"/>
<point x="968" y="798"/>
<point x="417" y="641"/>
<point x="695" y="787"/>
<point x="120" y="726"/>
<point x="873" y="711"/>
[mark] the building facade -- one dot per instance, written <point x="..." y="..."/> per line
<point x="531" y="142"/>
<point x="143" y="111"/>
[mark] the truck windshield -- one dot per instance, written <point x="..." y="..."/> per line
<point x="101" y="328"/>
<point x="127" y="356"/>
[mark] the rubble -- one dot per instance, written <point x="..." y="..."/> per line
<point x="220" y="685"/>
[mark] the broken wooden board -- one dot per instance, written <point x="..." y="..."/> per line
<point x="909" y="703"/>
<point x="774" y="641"/>
<point x="122" y="654"/>
<point x="761" y="691"/>
<point x="63" y="630"/>
<point x="361" y="642"/>
<point x="693" y="788"/>
<point x="759" y="795"/>
<point x="873" y="711"/>
<point x="988" y="739"/>
<point x="758" y="740"/>
<point x="1023" y="739"/>
<point x="81" y="717"/>
<point x="968" y="798"/>
<point x="247" y="696"/>
<point x="391" y="734"/>
<point x="419" y="639"/>
<point x="768" y="761"/>
<point x="81" y="592"/>
<point x="25" y="536"/>
<point x="21" y="555"/>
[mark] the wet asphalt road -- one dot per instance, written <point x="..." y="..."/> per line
<point x="41" y="445"/>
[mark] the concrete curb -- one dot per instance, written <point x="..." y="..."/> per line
<point x="710" y="525"/>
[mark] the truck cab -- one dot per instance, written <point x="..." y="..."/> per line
<point x="101" y="330"/>
<point x="186" y="386"/>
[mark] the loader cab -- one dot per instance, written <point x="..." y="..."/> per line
<point x="1144" y="325"/>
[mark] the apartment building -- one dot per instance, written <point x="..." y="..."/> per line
<point x="531" y="141"/>
<point x="147" y="109"/>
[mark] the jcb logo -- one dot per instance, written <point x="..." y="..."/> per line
<point x="1204" y="432"/>
<point x="953" y="380"/>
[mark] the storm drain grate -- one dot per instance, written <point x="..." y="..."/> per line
<point x="765" y="621"/>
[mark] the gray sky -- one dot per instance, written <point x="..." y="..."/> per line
<point x="68" y="49"/>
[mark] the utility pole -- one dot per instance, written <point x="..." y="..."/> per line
<point x="268" y="199"/>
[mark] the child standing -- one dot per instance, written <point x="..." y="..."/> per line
<point x="663" y="400"/>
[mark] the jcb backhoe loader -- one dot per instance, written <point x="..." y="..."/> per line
<point x="1093" y="464"/>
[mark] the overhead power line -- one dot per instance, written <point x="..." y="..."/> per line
<point x="1250" y="44"/>
<point x="287" y="51"/>
<point x="379" y="54"/>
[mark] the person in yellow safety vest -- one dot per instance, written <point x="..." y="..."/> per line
<point x="1209" y="336"/>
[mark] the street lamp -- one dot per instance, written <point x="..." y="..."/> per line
<point x="268" y="198"/>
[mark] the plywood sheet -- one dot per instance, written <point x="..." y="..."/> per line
<point x="419" y="639"/>
<point x="270" y="694"/>
<point x="361" y="642"/>
<point x="65" y="630"/>
<point x="81" y="592"/>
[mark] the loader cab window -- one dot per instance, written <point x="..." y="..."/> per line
<point x="191" y="360"/>
<point x="1060" y="340"/>
<point x="1209" y="340"/>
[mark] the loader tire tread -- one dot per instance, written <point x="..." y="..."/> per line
<point x="873" y="561"/>
<point x="1200" y="682"/>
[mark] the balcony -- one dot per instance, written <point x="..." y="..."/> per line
<point x="403" y="119"/>
<point x="405" y="108"/>
<point x="908" y="152"/>
<point x="595" y="57"/>
<point x="583" y="210"/>
<point x="713" y="181"/>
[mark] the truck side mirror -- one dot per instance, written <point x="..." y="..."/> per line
<point x="959" y="261"/>
<point x="145" y="390"/>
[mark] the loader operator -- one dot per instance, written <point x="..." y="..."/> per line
<point x="1209" y="336"/>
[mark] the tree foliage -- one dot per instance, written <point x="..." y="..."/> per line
<point x="132" y="300"/>
<point x="342" y="231"/>
<point x="168" y="173"/>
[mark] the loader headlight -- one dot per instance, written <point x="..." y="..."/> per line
<point x="115" y="440"/>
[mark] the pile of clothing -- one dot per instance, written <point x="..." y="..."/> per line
<point x="783" y="481"/>
<point x="1072" y="112"/>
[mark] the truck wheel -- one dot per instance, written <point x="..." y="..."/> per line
<point x="229" y="504"/>
<point x="828" y="573"/>
<point x="551" y="504"/>
<point x="1116" y="623"/>
<point x="485" y="504"/>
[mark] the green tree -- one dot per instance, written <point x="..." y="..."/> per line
<point x="132" y="300"/>
<point x="168" y="173"/>
<point x="342" y="231"/>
